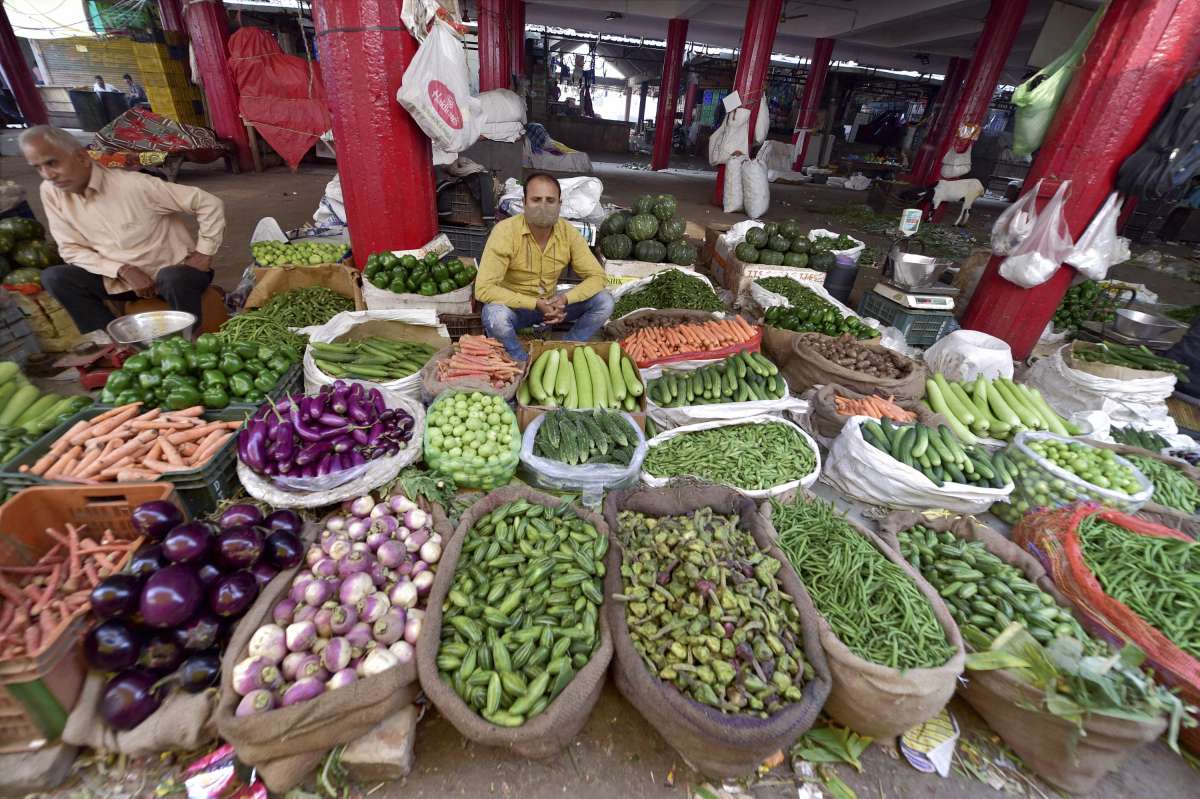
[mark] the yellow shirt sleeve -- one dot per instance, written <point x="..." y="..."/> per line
<point x="493" y="265"/>
<point x="591" y="273"/>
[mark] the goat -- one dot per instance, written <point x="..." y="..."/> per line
<point x="968" y="191"/>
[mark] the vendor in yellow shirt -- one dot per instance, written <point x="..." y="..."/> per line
<point x="520" y="267"/>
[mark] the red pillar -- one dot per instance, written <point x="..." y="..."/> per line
<point x="170" y="15"/>
<point x="1141" y="53"/>
<point x="20" y="76"/>
<point x="947" y="98"/>
<point x="208" y="30"/>
<point x="494" y="38"/>
<point x="689" y="101"/>
<point x="810" y="102"/>
<point x="668" y="92"/>
<point x="516" y="48"/>
<point x="762" y="20"/>
<point x="384" y="159"/>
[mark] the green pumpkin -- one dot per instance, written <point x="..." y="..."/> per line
<point x="778" y="243"/>
<point x="5" y="268"/>
<point x="21" y="277"/>
<point x="681" y="253"/>
<point x="746" y="253"/>
<point x="796" y="259"/>
<point x="822" y="261"/>
<point x="801" y="244"/>
<point x="644" y="204"/>
<point x="771" y="228"/>
<point x="642" y="227"/>
<point x="671" y="230"/>
<point x="23" y="227"/>
<point x="758" y="237"/>
<point x="615" y="223"/>
<point x="650" y="250"/>
<point x="664" y="207"/>
<point x="616" y="247"/>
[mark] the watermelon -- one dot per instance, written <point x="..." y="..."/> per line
<point x="746" y="253"/>
<point x="770" y="257"/>
<point x="664" y="207"/>
<point x="790" y="228"/>
<point x="7" y="241"/>
<point x="822" y="261"/>
<point x="671" y="230"/>
<point x="642" y="227"/>
<point x="778" y="243"/>
<point x="22" y="227"/>
<point x="796" y="259"/>
<point x="644" y="204"/>
<point x="616" y="247"/>
<point x="758" y="237"/>
<point x="771" y="228"/>
<point x="615" y="223"/>
<point x="681" y="253"/>
<point x="32" y="254"/>
<point x="21" y="277"/>
<point x="650" y="250"/>
<point x="801" y="244"/>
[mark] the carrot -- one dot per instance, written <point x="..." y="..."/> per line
<point x="195" y="434"/>
<point x="107" y="426"/>
<point x="73" y="557"/>
<point x="195" y="410"/>
<point x="169" y="451"/>
<point x="51" y="588"/>
<point x="89" y="570"/>
<point x="63" y="442"/>
<point x="32" y="638"/>
<point x="160" y="467"/>
<point x="126" y="475"/>
<point x="129" y="448"/>
<point x="209" y="449"/>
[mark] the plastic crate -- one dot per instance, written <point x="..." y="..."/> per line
<point x="920" y="328"/>
<point x="467" y="239"/>
<point x="459" y="325"/>
<point x="461" y="206"/>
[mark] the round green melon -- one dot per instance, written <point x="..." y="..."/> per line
<point x="644" y="204"/>
<point x="796" y="259"/>
<point x="23" y="227"/>
<point x="664" y="206"/>
<point x="650" y="250"/>
<point x="822" y="261"/>
<point x="681" y="253"/>
<point x="671" y="230"/>
<point x="31" y="254"/>
<point x="642" y="227"/>
<point x="7" y="241"/>
<point x="616" y="246"/>
<point x="615" y="223"/>
<point x="746" y="253"/>
<point x="758" y="237"/>
<point x="801" y="244"/>
<point x="778" y="243"/>
<point x="770" y="257"/>
<point x="25" y="276"/>
<point x="771" y="228"/>
<point x="790" y="228"/>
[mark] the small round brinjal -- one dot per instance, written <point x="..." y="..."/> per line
<point x="129" y="698"/>
<point x="284" y="520"/>
<point x="188" y="543"/>
<point x="208" y="574"/>
<point x="233" y="594"/>
<point x="170" y="596"/>
<point x="200" y="632"/>
<point x="155" y="519"/>
<point x="200" y="671"/>
<point x="162" y="652"/>
<point x="241" y="514"/>
<point x="238" y="547"/>
<point x="146" y="561"/>
<point x="283" y="549"/>
<point x="112" y="645"/>
<point x="263" y="572"/>
<point x="116" y="595"/>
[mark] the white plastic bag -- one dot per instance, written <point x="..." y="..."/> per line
<point x="762" y="122"/>
<point x="847" y="257"/>
<point x="502" y="106"/>
<point x="731" y="194"/>
<point x="1041" y="253"/>
<point x="966" y="354"/>
<point x="344" y="322"/>
<point x="862" y="472"/>
<point x="437" y="92"/>
<point x="1100" y="247"/>
<point x="1015" y="222"/>
<point x="756" y="189"/>
<point x="773" y="491"/>
<point x="590" y="479"/>
<point x="956" y="164"/>
<point x="731" y="138"/>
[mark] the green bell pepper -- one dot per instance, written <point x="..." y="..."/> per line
<point x="245" y="350"/>
<point x="126" y="397"/>
<point x="214" y="377"/>
<point x="207" y="360"/>
<point x="240" y="384"/>
<point x="182" y="397"/>
<point x="265" y="382"/>
<point x="120" y="381"/>
<point x="138" y="363"/>
<point x="255" y="396"/>
<point x="173" y="364"/>
<point x="173" y="381"/>
<point x="231" y="363"/>
<point x="265" y="353"/>
<point x="255" y="367"/>
<point x="193" y="360"/>
<point x="279" y="363"/>
<point x="214" y="397"/>
<point x="208" y="343"/>
<point x="150" y="380"/>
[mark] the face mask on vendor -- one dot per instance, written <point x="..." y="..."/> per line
<point x="541" y="203"/>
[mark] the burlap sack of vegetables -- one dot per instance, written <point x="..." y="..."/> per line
<point x="184" y="722"/>
<point x="874" y="699"/>
<point x="550" y="731"/>
<point x="286" y="743"/>
<point x="804" y="367"/>
<point x="825" y="422"/>
<point x="1073" y="758"/>
<point x="432" y="386"/>
<point x="724" y="745"/>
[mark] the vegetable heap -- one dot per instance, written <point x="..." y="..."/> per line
<point x="523" y="614"/>
<point x="938" y="455"/>
<point x="374" y="358"/>
<point x="26" y="413"/>
<point x="747" y="456"/>
<point x="707" y="613"/>
<point x="651" y="233"/>
<point x="406" y="274"/>
<point x="1088" y="301"/>
<point x="353" y="613"/>
<point x="1039" y="487"/>
<point x="809" y="312"/>
<point x="297" y="253"/>
<point x="175" y="604"/>
<point x="177" y="374"/>
<point x="342" y="426"/>
<point x="312" y="305"/>
<point x="745" y="377"/>
<point x="24" y="252"/>
<point x="258" y="327"/>
<point x="786" y="244"/>
<point x="1099" y="467"/>
<point x="1154" y="577"/>
<point x="996" y="408"/>
<point x="582" y="379"/>
<point x="671" y="288"/>
<point x="848" y="353"/>
<point x="660" y="342"/>
<point x="579" y="437"/>
<point x="873" y="406"/>
<point x="1132" y="437"/>
<point x="478" y="358"/>
<point x="1139" y="357"/>
<point x="1171" y="487"/>
<point x="473" y="438"/>
<point x="871" y="604"/>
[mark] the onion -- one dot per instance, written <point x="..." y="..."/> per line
<point x="401" y="504"/>
<point x="259" y="700"/>
<point x="268" y="642"/>
<point x="362" y="506"/>
<point x="403" y="594"/>
<point x="355" y="588"/>
<point x="341" y="679"/>
<point x="378" y="661"/>
<point x="300" y="635"/>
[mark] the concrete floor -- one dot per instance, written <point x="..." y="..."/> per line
<point x="619" y="754"/>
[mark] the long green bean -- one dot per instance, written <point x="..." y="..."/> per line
<point x="259" y="328"/>
<point x="747" y="456"/>
<point x="1156" y="578"/>
<point x="1172" y="487"/>
<point x="871" y="604"/>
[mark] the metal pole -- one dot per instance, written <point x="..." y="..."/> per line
<point x="1139" y="56"/>
<point x="668" y="91"/>
<point x="208" y="29"/>
<point x="494" y="58"/>
<point x="810" y="102"/>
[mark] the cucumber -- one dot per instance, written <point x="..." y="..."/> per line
<point x="523" y="396"/>
<point x="615" y="381"/>
<point x="938" y="403"/>
<point x="765" y="363"/>
<point x="583" y="382"/>
<point x="1056" y="422"/>
<point x="961" y="413"/>
<point x="21" y="400"/>
<point x="737" y="361"/>
<point x="550" y="375"/>
<point x="535" y="376"/>
<point x="632" y="382"/>
<point x="1000" y="407"/>
<point x="39" y="407"/>
<point x="921" y="442"/>
<point x="889" y="431"/>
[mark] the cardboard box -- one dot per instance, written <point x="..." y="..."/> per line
<point x="272" y="280"/>
<point x="527" y="413"/>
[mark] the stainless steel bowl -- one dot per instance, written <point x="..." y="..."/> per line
<point x="143" y="329"/>
<point x="1144" y="326"/>
<point x="910" y="270"/>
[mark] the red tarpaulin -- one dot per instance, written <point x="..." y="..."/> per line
<point x="281" y="95"/>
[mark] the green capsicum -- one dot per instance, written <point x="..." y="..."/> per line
<point x="119" y="381"/>
<point x="265" y="353"/>
<point x="214" y="377"/>
<point x="150" y="380"/>
<point x="208" y="343"/>
<point x="279" y="364"/>
<point x="182" y="397"/>
<point x="231" y="363"/>
<point x="193" y="360"/>
<point x="127" y="397"/>
<point x="173" y="381"/>
<point x="214" y="397"/>
<point x="245" y="350"/>
<point x="137" y="363"/>
<point x="173" y="363"/>
<point x="240" y="384"/>
<point x="255" y="367"/>
<point x="264" y="382"/>
<point x="207" y="360"/>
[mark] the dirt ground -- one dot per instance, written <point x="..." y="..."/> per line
<point x="619" y="754"/>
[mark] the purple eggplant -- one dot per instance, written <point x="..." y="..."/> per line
<point x="170" y="596"/>
<point x="146" y="561"/>
<point x="255" y="449"/>
<point x="330" y="419"/>
<point x="356" y="459"/>
<point x="200" y="632"/>
<point x="200" y="671"/>
<point x="155" y="519"/>
<point x="112" y="645"/>
<point x="129" y="698"/>
<point x="264" y="573"/>
<point x="312" y="452"/>
<point x="233" y="594"/>
<point x="116" y="595"/>
<point x="238" y="546"/>
<point x="285" y="441"/>
<point x="162" y="652"/>
<point x="301" y="426"/>
<point x="286" y="521"/>
<point x="208" y="574"/>
<point x="343" y="444"/>
<point x="188" y="543"/>
<point x="338" y="400"/>
<point x="239" y="515"/>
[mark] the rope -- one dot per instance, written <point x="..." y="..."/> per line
<point x="1169" y="156"/>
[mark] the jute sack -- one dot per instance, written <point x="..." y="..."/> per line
<point x="432" y="386"/>
<point x="876" y="700"/>
<point x="804" y="367"/>
<point x="553" y="729"/>
<point x="715" y="743"/>
<point x="183" y="722"/>
<point x="825" y="422"/>
<point x="1055" y="748"/>
<point x="286" y="743"/>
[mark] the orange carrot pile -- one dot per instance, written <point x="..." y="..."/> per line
<point x="38" y="602"/>
<point x="653" y="343"/>
<point x="481" y="357"/>
<point x="873" y="406"/>
<point x="124" y="446"/>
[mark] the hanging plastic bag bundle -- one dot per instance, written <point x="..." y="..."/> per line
<point x="1100" y="248"/>
<point x="437" y="92"/>
<point x="1015" y="222"/>
<point x="1041" y="253"/>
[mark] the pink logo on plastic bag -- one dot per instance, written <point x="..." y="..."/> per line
<point x="444" y="103"/>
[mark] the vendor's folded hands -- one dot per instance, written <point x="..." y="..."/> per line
<point x="139" y="282"/>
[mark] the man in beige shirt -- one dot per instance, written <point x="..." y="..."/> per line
<point x="120" y="233"/>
